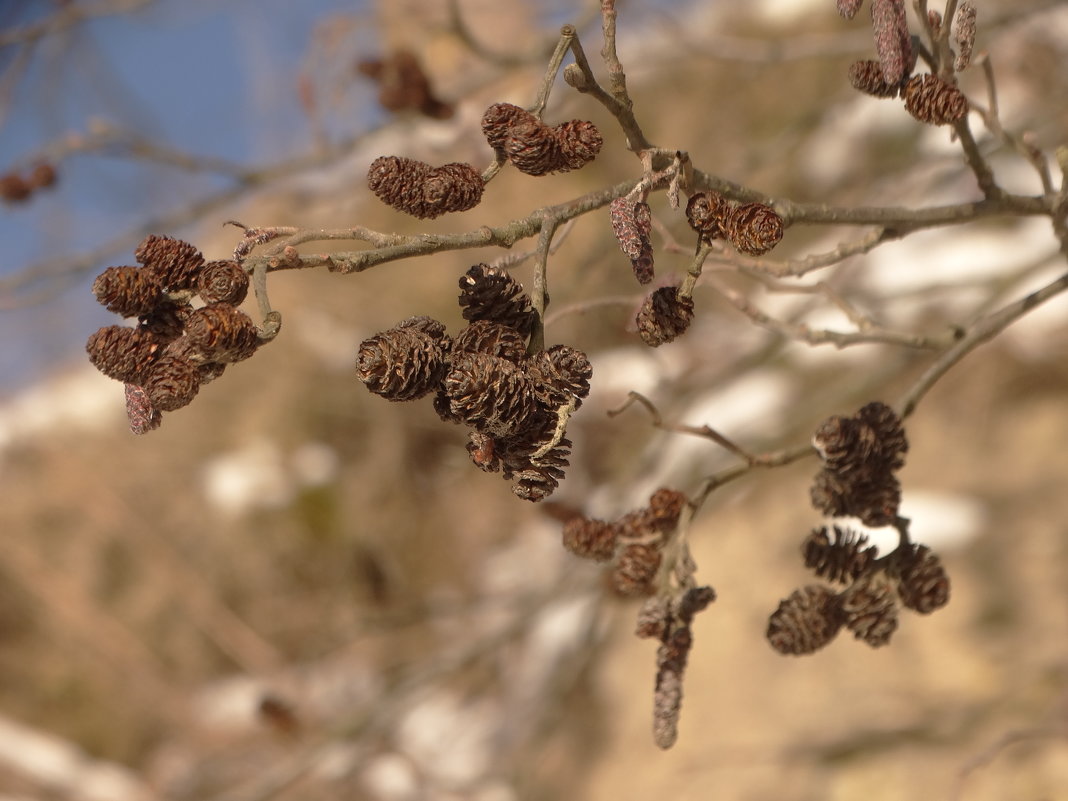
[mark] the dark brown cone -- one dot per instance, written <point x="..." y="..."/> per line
<point x="579" y="142"/>
<point x="632" y="223"/>
<point x="893" y="42"/>
<point x="128" y="291"/>
<point x="498" y="119"/>
<point x="167" y="321"/>
<point x="490" y="394"/>
<point x="125" y="354"/>
<point x="487" y="293"/>
<point x="496" y="339"/>
<point x="664" y="316"/>
<point x="872" y="439"/>
<point x="884" y="426"/>
<point x="874" y="497"/>
<point x="634" y="573"/>
<point x="841" y="561"/>
<point x="806" y="621"/>
<point x="405" y="362"/>
<point x="543" y="475"/>
<point x="707" y="214"/>
<point x="172" y="383"/>
<point x="224" y="333"/>
<point x="185" y="348"/>
<point x="561" y="373"/>
<point x="923" y="583"/>
<point x="451" y="187"/>
<point x="139" y="411"/>
<point x="867" y="76"/>
<point x="402" y="84"/>
<point x="177" y="263"/>
<point x="222" y="282"/>
<point x="590" y="539"/>
<point x="930" y="99"/>
<point x="753" y="228"/>
<point x="534" y="148"/>
<point x="869" y="609"/>
<point x="849" y="8"/>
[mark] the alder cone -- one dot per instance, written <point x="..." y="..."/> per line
<point x="128" y="291"/>
<point x="423" y="191"/>
<point x="867" y="76"/>
<point x="125" y="354"/>
<point x="534" y="148"/>
<point x="664" y="316"/>
<point x="542" y="475"/>
<point x="14" y="188"/>
<point x="579" y="142"/>
<point x="172" y="383"/>
<point x="840" y="561"/>
<point x="405" y="362"/>
<point x="930" y="99"/>
<point x="590" y="539"/>
<point x="490" y="394"/>
<point x="665" y="507"/>
<point x="805" y="622"/>
<point x="869" y="610"/>
<point x="923" y="583"/>
<point x="496" y="339"/>
<point x="753" y="228"/>
<point x="498" y="119"/>
<point x="561" y="374"/>
<point x="222" y="282"/>
<point x="224" y="333"/>
<point x="635" y="570"/>
<point x="487" y="293"/>
<point x="167" y="320"/>
<point x="177" y="263"/>
<point x="707" y="213"/>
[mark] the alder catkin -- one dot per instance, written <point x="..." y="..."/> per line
<point x="893" y="42"/>
<point x="632" y="223"/>
<point x="964" y="33"/>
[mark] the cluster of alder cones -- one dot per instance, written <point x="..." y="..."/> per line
<point x="425" y="191"/>
<point x="752" y="229"/>
<point x="516" y="404"/>
<point x="859" y="456"/>
<point x="929" y="98"/>
<point x="175" y="348"/>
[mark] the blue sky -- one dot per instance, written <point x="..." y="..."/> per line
<point x="188" y="74"/>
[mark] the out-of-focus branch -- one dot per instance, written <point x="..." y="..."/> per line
<point x="67" y="16"/>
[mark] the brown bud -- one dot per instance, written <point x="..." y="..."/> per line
<point x="590" y="539"/>
<point x="930" y="99"/>
<point x="867" y="76"/>
<point x="487" y="293"/>
<point x="172" y="383"/>
<point x="223" y="282"/>
<point x="129" y="291"/>
<point x="707" y="214"/>
<point x="632" y="223"/>
<point x="224" y="333"/>
<point x="753" y="228"/>
<point x="806" y="621"/>
<point x="14" y="188"/>
<point x="664" y="316"/>
<point x="406" y="362"/>
<point x="140" y="412"/>
<point x="125" y="354"/>
<point x="177" y="263"/>
<point x="893" y="42"/>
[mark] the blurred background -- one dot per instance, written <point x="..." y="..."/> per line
<point x="297" y="590"/>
